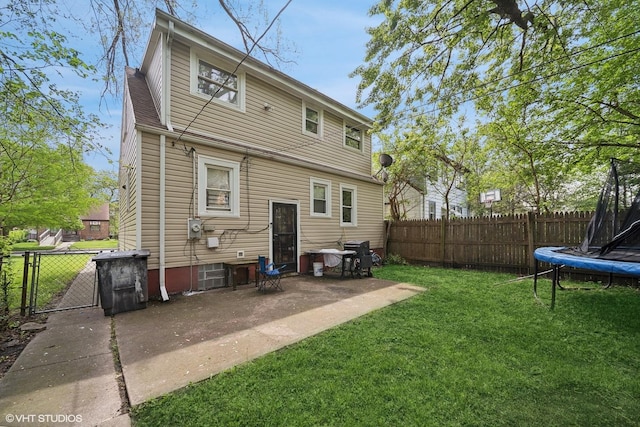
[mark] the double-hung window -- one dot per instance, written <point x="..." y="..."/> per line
<point x="320" y="197"/>
<point x="353" y="137"/>
<point x="311" y="120"/>
<point x="348" y="203"/>
<point x="218" y="187"/>
<point x="432" y="209"/>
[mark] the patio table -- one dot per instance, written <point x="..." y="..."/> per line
<point x="330" y="256"/>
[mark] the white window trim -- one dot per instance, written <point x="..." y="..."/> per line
<point x="195" y="62"/>
<point x="234" y="203"/>
<point x="327" y="184"/>
<point x="344" y="138"/>
<point x="354" y="205"/>
<point x="320" y="120"/>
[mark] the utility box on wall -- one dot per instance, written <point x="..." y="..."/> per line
<point x="122" y="280"/>
<point x="194" y="228"/>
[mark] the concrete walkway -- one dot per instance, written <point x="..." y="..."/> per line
<point x="68" y="370"/>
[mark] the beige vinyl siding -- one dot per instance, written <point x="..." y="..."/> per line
<point x="154" y="74"/>
<point x="319" y="232"/>
<point x="267" y="180"/>
<point x="279" y="129"/>
<point x="150" y="198"/>
<point x="126" y="232"/>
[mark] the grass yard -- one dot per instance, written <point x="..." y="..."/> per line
<point x="474" y="349"/>
<point x="56" y="273"/>
<point x="29" y="246"/>
<point x="88" y="245"/>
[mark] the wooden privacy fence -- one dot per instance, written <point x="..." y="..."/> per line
<point x="504" y="243"/>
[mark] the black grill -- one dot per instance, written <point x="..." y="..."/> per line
<point x="361" y="261"/>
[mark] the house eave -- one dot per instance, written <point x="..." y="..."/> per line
<point x="244" y="148"/>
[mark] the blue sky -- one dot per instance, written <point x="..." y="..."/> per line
<point x="329" y="38"/>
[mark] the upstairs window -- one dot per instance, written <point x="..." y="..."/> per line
<point x="217" y="83"/>
<point x="311" y="121"/>
<point x="353" y="137"/>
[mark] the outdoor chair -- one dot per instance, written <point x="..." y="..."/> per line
<point x="269" y="275"/>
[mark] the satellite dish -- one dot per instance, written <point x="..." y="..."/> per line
<point x="385" y="160"/>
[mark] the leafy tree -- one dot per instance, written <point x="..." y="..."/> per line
<point x="430" y="152"/>
<point x="405" y="176"/>
<point x="42" y="184"/>
<point x="45" y="131"/>
<point x="555" y="80"/>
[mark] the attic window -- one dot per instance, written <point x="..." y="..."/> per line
<point x="217" y="83"/>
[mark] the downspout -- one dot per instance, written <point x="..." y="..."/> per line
<point x="163" y="288"/>
<point x="165" y="118"/>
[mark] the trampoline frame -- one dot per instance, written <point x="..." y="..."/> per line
<point x="558" y="260"/>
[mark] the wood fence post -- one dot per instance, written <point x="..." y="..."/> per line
<point x="531" y="228"/>
<point x="443" y="241"/>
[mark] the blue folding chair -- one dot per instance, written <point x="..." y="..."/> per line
<point x="269" y="275"/>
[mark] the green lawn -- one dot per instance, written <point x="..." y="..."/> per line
<point x="29" y="246"/>
<point x="474" y="349"/>
<point x="95" y="244"/>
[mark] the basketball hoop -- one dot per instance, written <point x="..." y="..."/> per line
<point x="489" y="197"/>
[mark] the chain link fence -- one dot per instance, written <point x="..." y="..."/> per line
<point x="40" y="282"/>
<point x="63" y="281"/>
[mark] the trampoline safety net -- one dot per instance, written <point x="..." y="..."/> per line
<point x="614" y="230"/>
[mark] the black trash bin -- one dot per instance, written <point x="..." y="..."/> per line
<point x="122" y="280"/>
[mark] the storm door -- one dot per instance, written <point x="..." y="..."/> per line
<point x="284" y="235"/>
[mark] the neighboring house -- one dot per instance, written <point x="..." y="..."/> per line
<point x="95" y="226"/>
<point x="435" y="206"/>
<point x="430" y="203"/>
<point x="408" y="199"/>
<point x="224" y="158"/>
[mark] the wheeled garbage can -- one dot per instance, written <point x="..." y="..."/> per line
<point x="122" y="280"/>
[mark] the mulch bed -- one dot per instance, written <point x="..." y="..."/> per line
<point x="13" y="340"/>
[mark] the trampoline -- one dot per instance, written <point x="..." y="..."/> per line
<point x="612" y="241"/>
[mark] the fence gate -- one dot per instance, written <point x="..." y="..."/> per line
<point x="60" y="281"/>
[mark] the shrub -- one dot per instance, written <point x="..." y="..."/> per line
<point x="395" y="259"/>
<point x="17" y="236"/>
